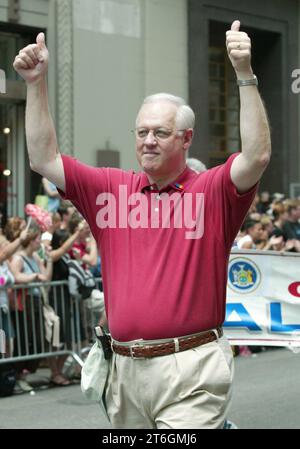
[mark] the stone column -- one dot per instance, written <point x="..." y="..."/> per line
<point x="64" y="73"/>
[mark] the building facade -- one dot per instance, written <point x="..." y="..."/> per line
<point x="107" y="55"/>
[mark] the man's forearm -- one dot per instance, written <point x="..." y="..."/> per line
<point x="40" y="132"/>
<point x="254" y="126"/>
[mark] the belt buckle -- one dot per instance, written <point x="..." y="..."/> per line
<point x="132" y="355"/>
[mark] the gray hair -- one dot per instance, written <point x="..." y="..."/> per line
<point x="196" y="165"/>
<point x="185" y="117"/>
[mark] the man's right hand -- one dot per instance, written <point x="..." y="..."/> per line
<point x="32" y="61"/>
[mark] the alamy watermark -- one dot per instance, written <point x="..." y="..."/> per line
<point x="2" y="82"/>
<point x="2" y="342"/>
<point x="296" y="83"/>
<point x="178" y="210"/>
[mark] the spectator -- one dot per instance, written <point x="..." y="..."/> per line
<point x="53" y="195"/>
<point x="66" y="268"/>
<point x="47" y="235"/>
<point x="264" y="203"/>
<point x="27" y="267"/>
<point x="196" y="165"/>
<point x="7" y="249"/>
<point x="13" y="228"/>
<point x="66" y="211"/>
<point x="60" y="299"/>
<point x="277" y="197"/>
<point x="292" y="245"/>
<point x="280" y="214"/>
<point x="276" y="243"/>
<point x="267" y="225"/>
<point x="267" y="228"/>
<point x="291" y="227"/>
<point x="85" y="246"/>
<point x="254" y="234"/>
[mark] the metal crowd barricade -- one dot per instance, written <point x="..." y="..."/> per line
<point x="23" y="334"/>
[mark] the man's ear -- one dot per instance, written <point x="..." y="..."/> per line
<point x="188" y="138"/>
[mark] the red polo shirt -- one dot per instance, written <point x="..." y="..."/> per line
<point x="158" y="281"/>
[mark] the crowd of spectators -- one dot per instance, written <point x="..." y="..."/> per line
<point x="272" y="224"/>
<point x="30" y="256"/>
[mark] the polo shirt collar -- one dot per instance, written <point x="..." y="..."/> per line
<point x="179" y="183"/>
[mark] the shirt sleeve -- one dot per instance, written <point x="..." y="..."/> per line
<point x="230" y="206"/>
<point x="83" y="184"/>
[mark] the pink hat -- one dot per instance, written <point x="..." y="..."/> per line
<point x="42" y="217"/>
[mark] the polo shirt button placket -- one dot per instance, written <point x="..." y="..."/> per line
<point x="157" y="198"/>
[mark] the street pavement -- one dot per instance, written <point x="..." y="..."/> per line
<point x="50" y="408"/>
<point x="266" y="396"/>
<point x="266" y="391"/>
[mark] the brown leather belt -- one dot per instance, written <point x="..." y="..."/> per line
<point x="140" y="350"/>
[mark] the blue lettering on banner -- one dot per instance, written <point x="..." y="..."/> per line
<point x="276" y="320"/>
<point x="245" y="318"/>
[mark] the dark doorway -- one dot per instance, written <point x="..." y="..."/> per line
<point x="215" y="89"/>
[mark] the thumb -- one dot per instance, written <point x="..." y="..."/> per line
<point x="236" y="25"/>
<point x="40" y="40"/>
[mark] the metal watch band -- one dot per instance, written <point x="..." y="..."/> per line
<point x="250" y="82"/>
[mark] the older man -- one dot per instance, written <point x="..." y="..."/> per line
<point x="165" y="236"/>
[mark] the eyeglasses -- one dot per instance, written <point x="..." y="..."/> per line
<point x="158" y="133"/>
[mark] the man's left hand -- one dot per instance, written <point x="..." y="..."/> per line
<point x="238" y="46"/>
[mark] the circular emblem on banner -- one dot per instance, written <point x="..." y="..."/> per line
<point x="243" y="275"/>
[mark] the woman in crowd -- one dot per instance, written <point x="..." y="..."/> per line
<point x="27" y="268"/>
<point x="60" y="299"/>
<point x="46" y="237"/>
<point x="13" y="228"/>
<point x="7" y="249"/>
<point x="85" y="246"/>
<point x="66" y="211"/>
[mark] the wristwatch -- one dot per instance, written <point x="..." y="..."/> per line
<point x="252" y="81"/>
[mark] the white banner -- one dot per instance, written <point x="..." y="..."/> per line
<point x="263" y="299"/>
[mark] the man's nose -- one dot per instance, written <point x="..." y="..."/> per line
<point x="150" y="138"/>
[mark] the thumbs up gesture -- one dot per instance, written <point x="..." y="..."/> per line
<point x="238" y="46"/>
<point x="32" y="61"/>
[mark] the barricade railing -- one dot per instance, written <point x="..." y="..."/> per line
<point x="41" y="320"/>
<point x="92" y="310"/>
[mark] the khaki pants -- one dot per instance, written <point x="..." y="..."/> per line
<point x="186" y="390"/>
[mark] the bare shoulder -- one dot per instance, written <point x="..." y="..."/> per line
<point x="17" y="261"/>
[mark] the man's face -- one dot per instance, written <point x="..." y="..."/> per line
<point x="294" y="214"/>
<point x="256" y="232"/>
<point x="158" y="156"/>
